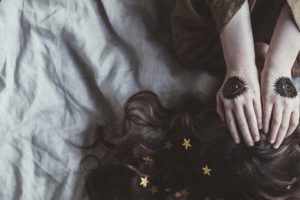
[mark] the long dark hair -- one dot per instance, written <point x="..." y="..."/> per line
<point x="156" y="133"/>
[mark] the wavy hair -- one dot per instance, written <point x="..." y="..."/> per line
<point x="238" y="172"/>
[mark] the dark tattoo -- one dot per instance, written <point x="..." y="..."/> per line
<point x="284" y="86"/>
<point x="234" y="87"/>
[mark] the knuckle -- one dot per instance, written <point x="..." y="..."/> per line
<point x="266" y="99"/>
<point x="294" y="123"/>
<point x="266" y="111"/>
<point x="259" y="118"/>
<point x="286" y="104"/>
<point x="284" y="126"/>
<point x="238" y="100"/>
<point x="243" y="126"/>
<point x="230" y="122"/>
<point x="276" y="121"/>
<point x="227" y="104"/>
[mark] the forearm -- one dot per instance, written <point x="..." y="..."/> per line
<point x="237" y="41"/>
<point x="285" y="43"/>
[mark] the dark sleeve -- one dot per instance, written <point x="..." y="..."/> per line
<point x="221" y="10"/>
<point x="295" y="8"/>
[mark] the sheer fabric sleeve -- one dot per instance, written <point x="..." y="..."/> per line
<point x="295" y="8"/>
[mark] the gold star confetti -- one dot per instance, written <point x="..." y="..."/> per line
<point x="144" y="181"/>
<point x="148" y="160"/>
<point x="206" y="170"/>
<point x="154" y="189"/>
<point x="184" y="192"/>
<point x="168" y="145"/>
<point x="178" y="195"/>
<point x="186" y="143"/>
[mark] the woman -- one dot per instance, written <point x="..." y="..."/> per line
<point x="226" y="34"/>
<point x="185" y="152"/>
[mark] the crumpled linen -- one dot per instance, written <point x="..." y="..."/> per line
<point x="68" y="65"/>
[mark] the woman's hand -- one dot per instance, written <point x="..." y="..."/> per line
<point x="279" y="96"/>
<point x="239" y="104"/>
<point x="238" y="100"/>
<point x="281" y="105"/>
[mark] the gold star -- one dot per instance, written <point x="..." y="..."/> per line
<point x="154" y="189"/>
<point x="184" y="192"/>
<point x="148" y="160"/>
<point x="206" y="170"/>
<point x="186" y="143"/>
<point x="178" y="195"/>
<point x="144" y="181"/>
<point x="168" y="145"/>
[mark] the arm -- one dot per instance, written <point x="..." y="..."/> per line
<point x="243" y="111"/>
<point x="280" y="112"/>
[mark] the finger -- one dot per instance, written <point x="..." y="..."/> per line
<point x="276" y="122"/>
<point x="232" y="126"/>
<point x="286" y="116"/>
<point x="220" y="108"/>
<point x="243" y="125"/>
<point x="252" y="123"/>
<point x="293" y="123"/>
<point x="258" y="113"/>
<point x="267" y="112"/>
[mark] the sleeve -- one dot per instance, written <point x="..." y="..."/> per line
<point x="295" y="8"/>
<point x="223" y="10"/>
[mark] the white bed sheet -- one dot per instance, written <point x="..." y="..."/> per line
<point x="66" y="65"/>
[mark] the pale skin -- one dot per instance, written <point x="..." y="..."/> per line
<point x="260" y="107"/>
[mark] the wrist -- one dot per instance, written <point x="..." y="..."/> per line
<point x="276" y="71"/>
<point x="280" y="61"/>
<point x="283" y="68"/>
<point x="242" y="68"/>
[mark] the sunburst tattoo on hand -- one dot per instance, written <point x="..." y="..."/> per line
<point x="234" y="87"/>
<point x="285" y="87"/>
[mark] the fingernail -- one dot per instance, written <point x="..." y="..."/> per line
<point x="257" y="138"/>
<point x="251" y="144"/>
<point x="260" y="126"/>
<point x="237" y="141"/>
<point x="275" y="146"/>
<point x="272" y="141"/>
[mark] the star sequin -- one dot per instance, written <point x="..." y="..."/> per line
<point x="168" y="146"/>
<point x="184" y="192"/>
<point x="178" y="195"/>
<point x="186" y="143"/>
<point x="148" y="160"/>
<point x="206" y="170"/>
<point x="154" y="189"/>
<point x="144" y="181"/>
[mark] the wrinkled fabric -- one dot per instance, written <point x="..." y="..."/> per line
<point x="196" y="40"/>
<point x="68" y="65"/>
<point x="295" y="8"/>
<point x="223" y="10"/>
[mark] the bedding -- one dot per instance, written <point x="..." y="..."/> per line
<point x="68" y="65"/>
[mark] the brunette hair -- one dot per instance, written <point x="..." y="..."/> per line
<point x="238" y="172"/>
